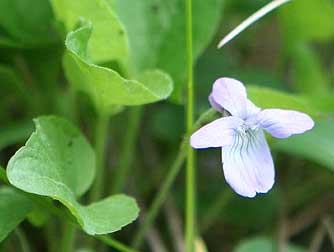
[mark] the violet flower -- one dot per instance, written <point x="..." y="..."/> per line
<point x="247" y="162"/>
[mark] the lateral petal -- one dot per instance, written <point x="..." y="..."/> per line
<point x="216" y="134"/>
<point x="282" y="123"/>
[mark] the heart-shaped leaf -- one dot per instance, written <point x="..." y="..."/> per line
<point x="105" y="86"/>
<point x="108" y="41"/>
<point x="14" y="207"/>
<point x="58" y="162"/>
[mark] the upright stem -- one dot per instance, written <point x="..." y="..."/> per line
<point x="173" y="171"/>
<point x="128" y="147"/>
<point x="160" y="197"/>
<point x="100" y="141"/>
<point x="23" y="240"/>
<point x="68" y="237"/>
<point x="190" y="170"/>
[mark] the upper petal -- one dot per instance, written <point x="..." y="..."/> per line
<point x="216" y="134"/>
<point x="284" y="123"/>
<point x="229" y="94"/>
<point x="248" y="165"/>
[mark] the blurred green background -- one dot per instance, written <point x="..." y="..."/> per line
<point x="285" y="59"/>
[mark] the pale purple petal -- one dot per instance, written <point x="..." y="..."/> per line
<point x="284" y="123"/>
<point x="229" y="94"/>
<point x="216" y="134"/>
<point x="252" y="109"/>
<point x="215" y="105"/>
<point x="248" y="165"/>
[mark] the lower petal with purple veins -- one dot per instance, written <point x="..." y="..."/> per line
<point x="248" y="165"/>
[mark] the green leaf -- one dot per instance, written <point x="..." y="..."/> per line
<point x="316" y="145"/>
<point x="27" y="26"/>
<point x="269" y="98"/>
<point x="307" y="20"/>
<point x="58" y="162"/>
<point x="15" y="133"/>
<point x="263" y="244"/>
<point x="156" y="30"/>
<point x="38" y="216"/>
<point x="14" y="207"/>
<point x="307" y="71"/>
<point x="105" y="86"/>
<point x="109" y="40"/>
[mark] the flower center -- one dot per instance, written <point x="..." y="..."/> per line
<point x="246" y="127"/>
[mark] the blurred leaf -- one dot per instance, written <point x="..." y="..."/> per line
<point x="308" y="74"/>
<point x="12" y="92"/>
<point x="14" y="207"/>
<point x="39" y="216"/>
<point x="307" y="20"/>
<point x="156" y="30"/>
<point x="269" y="98"/>
<point x="261" y="211"/>
<point x="167" y="123"/>
<point x="15" y="133"/>
<point x="27" y="26"/>
<point x="108" y="40"/>
<point x="9" y="81"/>
<point x="3" y="176"/>
<point x="324" y="102"/>
<point x="105" y="86"/>
<point x="263" y="244"/>
<point x="316" y="145"/>
<point x="58" y="162"/>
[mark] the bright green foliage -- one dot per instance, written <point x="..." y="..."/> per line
<point x="108" y="41"/>
<point x="14" y="208"/>
<point x="156" y="30"/>
<point x="264" y="245"/>
<point x="269" y="98"/>
<point x="316" y="145"/>
<point x="105" y="86"/>
<point x="58" y="162"/>
<point x="307" y="20"/>
<point x="26" y="26"/>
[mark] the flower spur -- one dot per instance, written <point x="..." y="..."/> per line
<point x="247" y="162"/>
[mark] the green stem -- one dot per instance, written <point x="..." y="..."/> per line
<point x="68" y="238"/>
<point x="23" y="240"/>
<point x="51" y="236"/>
<point x="170" y="178"/>
<point x="115" y="244"/>
<point x="100" y="141"/>
<point x="3" y="176"/>
<point x="190" y="213"/>
<point x="128" y="147"/>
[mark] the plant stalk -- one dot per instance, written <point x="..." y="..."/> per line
<point x="168" y="182"/>
<point x="190" y="212"/>
<point x="100" y="142"/>
<point x="128" y="147"/>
